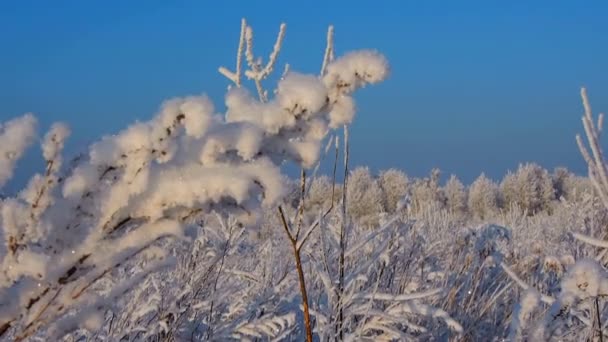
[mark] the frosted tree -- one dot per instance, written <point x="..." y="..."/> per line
<point x="394" y="184"/>
<point x="483" y="197"/>
<point x="319" y="194"/>
<point x="456" y="196"/>
<point x="428" y="192"/>
<point x="364" y="196"/>
<point x="570" y="186"/>
<point x="560" y="176"/>
<point x="149" y="182"/>
<point x="530" y="187"/>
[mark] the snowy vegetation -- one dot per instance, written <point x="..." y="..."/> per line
<point x="184" y="228"/>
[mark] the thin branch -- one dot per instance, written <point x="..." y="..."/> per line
<point x="274" y="54"/>
<point x="598" y="173"/>
<point x="285" y="225"/>
<point x="592" y="241"/>
<point x="599" y="319"/>
<point x="329" y="49"/>
<point x="546" y="299"/>
<point x="239" y="53"/>
<point x="235" y="77"/>
<point x="341" y="262"/>
<point x="255" y="72"/>
<point x="302" y="198"/>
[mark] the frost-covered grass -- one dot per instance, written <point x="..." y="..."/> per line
<point x="414" y="276"/>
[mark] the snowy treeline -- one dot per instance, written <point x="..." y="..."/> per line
<point x="530" y="189"/>
<point x="183" y="228"/>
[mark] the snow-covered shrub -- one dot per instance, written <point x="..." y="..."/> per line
<point x="530" y="187"/>
<point x="559" y="178"/>
<point x="364" y="196"/>
<point x="395" y="185"/>
<point x="483" y="198"/>
<point x="15" y="136"/>
<point x="378" y="300"/>
<point x="428" y="191"/>
<point x="151" y="181"/>
<point x="569" y="185"/>
<point x="319" y="194"/>
<point x="455" y="196"/>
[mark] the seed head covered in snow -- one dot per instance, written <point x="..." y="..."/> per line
<point x="342" y="112"/>
<point x="586" y="279"/>
<point x="243" y="138"/>
<point x="317" y="129"/>
<point x="530" y="299"/>
<point x="356" y="69"/>
<point x="301" y="94"/>
<point x="54" y="141"/>
<point x="347" y="74"/>
<point x="269" y="116"/>
<point x="15" y="136"/>
<point x="306" y="152"/>
<point x="196" y="111"/>
<point x="81" y="179"/>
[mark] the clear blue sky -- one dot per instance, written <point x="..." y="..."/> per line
<point x="475" y="86"/>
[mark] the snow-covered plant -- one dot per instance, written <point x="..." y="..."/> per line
<point x="364" y="196"/>
<point x="15" y="136"/>
<point x="483" y="197"/>
<point x="427" y="191"/>
<point x="455" y="196"/>
<point x="356" y="272"/>
<point x="575" y="188"/>
<point x="581" y="289"/>
<point x="394" y="184"/>
<point x="560" y="177"/>
<point x="572" y="314"/>
<point x="149" y="182"/>
<point x="319" y="194"/>
<point x="576" y="311"/>
<point x="372" y="305"/>
<point x="530" y="187"/>
<point x="596" y="163"/>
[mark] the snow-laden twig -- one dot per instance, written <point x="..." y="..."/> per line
<point x="523" y="285"/>
<point x="15" y="136"/>
<point x="591" y="241"/>
<point x="329" y="49"/>
<point x="598" y="172"/>
<point x="235" y="77"/>
<point x="256" y="72"/>
<point x="398" y="298"/>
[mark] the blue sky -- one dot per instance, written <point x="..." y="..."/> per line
<point x="475" y="85"/>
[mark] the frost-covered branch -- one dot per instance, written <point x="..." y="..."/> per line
<point x="329" y="49"/>
<point x="256" y="72"/>
<point x="15" y="136"/>
<point x="523" y="285"/>
<point x="235" y="77"/>
<point x="591" y="241"/>
<point x="596" y="163"/>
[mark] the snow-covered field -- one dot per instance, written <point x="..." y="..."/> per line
<point x="185" y="228"/>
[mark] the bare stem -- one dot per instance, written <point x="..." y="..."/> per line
<point x="302" y="281"/>
<point x="343" y="239"/>
<point x="599" y="319"/>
